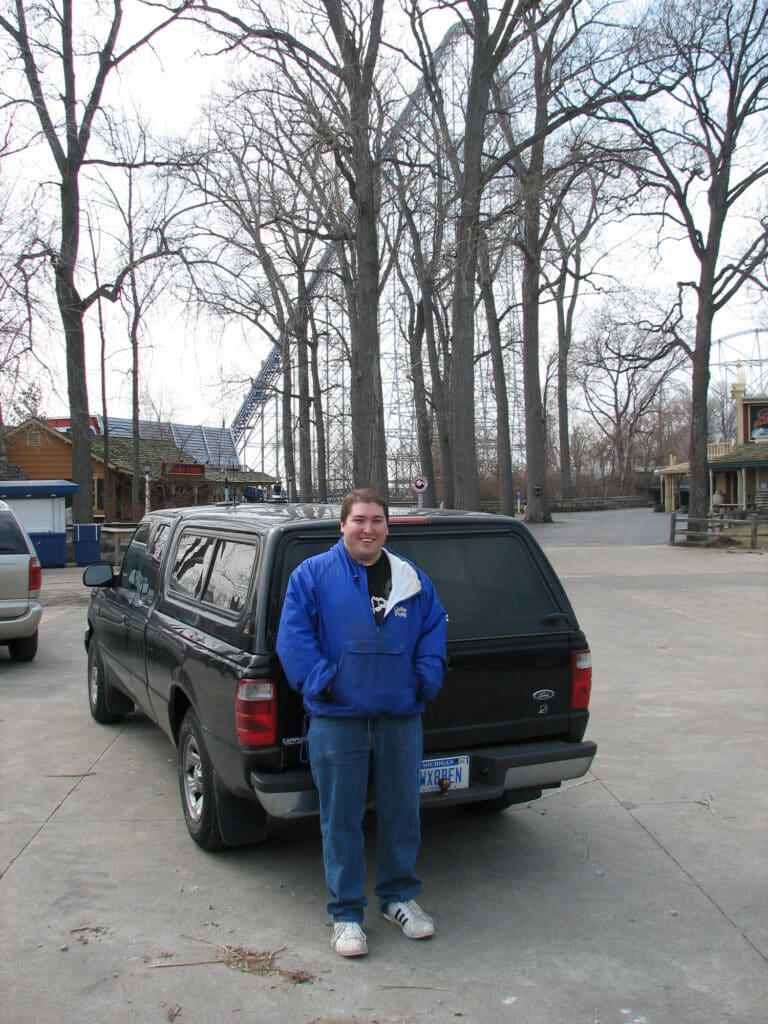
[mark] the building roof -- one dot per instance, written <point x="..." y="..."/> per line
<point x="158" y="456"/>
<point x="740" y="455"/>
<point x="210" y="446"/>
<point x="675" y="469"/>
<point x="37" y="488"/>
<point x="152" y="454"/>
<point x="733" y="456"/>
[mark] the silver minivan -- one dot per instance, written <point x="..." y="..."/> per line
<point x="20" y="581"/>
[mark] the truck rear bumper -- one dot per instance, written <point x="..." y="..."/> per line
<point x="494" y="771"/>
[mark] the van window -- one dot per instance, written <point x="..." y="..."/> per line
<point x="230" y="576"/>
<point x="11" y="538"/>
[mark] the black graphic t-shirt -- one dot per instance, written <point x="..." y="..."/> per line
<point x="379" y="585"/>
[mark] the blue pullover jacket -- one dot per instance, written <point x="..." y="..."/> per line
<point x="336" y="656"/>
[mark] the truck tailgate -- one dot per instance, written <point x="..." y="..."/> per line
<point x="508" y="693"/>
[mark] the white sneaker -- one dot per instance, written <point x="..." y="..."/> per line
<point x="348" y="939"/>
<point x="416" y="924"/>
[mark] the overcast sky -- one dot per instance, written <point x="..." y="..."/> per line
<point x="185" y="362"/>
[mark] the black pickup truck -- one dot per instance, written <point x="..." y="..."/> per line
<point x="185" y="632"/>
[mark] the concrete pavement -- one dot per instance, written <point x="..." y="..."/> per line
<point x="638" y="895"/>
<point x="64" y="585"/>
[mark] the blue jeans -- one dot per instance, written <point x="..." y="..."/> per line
<point x="341" y="751"/>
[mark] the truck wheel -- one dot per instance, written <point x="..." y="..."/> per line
<point x="196" y="785"/>
<point x="23" y="649"/>
<point x="97" y="690"/>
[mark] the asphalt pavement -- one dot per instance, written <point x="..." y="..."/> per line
<point x="637" y="895"/>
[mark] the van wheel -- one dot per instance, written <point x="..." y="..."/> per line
<point x="196" y="785"/>
<point x="97" y="690"/>
<point x="23" y="649"/>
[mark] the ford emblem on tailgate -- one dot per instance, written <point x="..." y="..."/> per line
<point x="544" y="695"/>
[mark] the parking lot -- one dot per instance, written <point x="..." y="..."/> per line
<point x="637" y="895"/>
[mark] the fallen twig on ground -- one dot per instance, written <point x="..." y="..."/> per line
<point x="251" y="961"/>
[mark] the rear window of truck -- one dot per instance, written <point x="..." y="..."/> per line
<point x="490" y="584"/>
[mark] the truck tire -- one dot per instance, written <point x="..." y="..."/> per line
<point x="24" y="648"/>
<point x="98" y="691"/>
<point x="197" y="785"/>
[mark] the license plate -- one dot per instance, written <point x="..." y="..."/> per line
<point x="454" y="769"/>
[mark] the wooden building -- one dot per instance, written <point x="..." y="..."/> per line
<point x="170" y="475"/>
<point x="738" y="470"/>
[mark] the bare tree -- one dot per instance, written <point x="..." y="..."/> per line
<point x="494" y="33"/>
<point x="487" y="274"/>
<point x="18" y="355"/>
<point x="259" y="244"/>
<point x="56" y="52"/>
<point x="534" y="69"/>
<point x="620" y="385"/>
<point x="575" y="67"/>
<point x="721" y="413"/>
<point x="583" y="196"/>
<point x="343" y="49"/>
<point x="137" y="198"/>
<point x="705" y="148"/>
<point x="422" y="202"/>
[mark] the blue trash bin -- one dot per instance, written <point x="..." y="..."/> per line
<point x="51" y="548"/>
<point x="87" y="540"/>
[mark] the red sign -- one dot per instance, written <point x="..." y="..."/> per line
<point x="182" y="469"/>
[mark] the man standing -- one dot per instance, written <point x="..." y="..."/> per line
<point x="362" y="639"/>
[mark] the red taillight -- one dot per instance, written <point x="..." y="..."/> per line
<point x="35" y="574"/>
<point x="256" y="713"/>
<point x="581" y="680"/>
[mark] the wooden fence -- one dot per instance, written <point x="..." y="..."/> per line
<point x="718" y="530"/>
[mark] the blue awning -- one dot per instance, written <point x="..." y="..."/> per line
<point x="36" y="488"/>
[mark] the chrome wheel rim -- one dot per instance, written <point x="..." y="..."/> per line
<point x="192" y="775"/>
<point x="93" y="681"/>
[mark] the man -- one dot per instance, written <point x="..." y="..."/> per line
<point x="362" y="639"/>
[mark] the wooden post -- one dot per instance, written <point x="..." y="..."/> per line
<point x="672" y="521"/>
<point x="753" y="531"/>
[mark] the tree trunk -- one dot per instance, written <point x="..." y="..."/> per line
<point x="369" y="462"/>
<point x="359" y="56"/>
<point x="503" y="444"/>
<point x="286" y="409"/>
<point x="71" y="312"/>
<point x="535" y="431"/>
<point x="461" y="380"/>
<point x="423" y="433"/>
<point x="319" y="421"/>
<point x="306" y="488"/>
<point x="698" y="506"/>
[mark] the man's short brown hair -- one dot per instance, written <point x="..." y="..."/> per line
<point x="366" y="495"/>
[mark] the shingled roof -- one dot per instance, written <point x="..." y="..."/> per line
<point x="152" y="453"/>
<point x="158" y="455"/>
<point x="740" y="455"/>
<point x="210" y="446"/>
